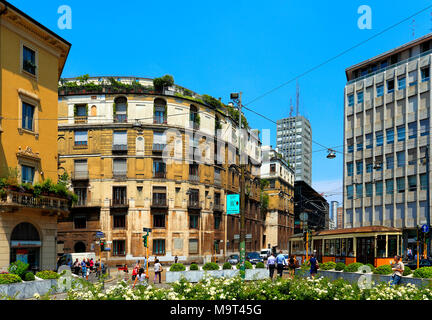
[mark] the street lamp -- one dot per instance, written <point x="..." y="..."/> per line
<point x="331" y="154"/>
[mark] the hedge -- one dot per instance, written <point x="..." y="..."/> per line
<point x="19" y="268"/>
<point x="260" y="265"/>
<point x="248" y="265"/>
<point x="177" y="267"/>
<point x="407" y="271"/>
<point x="193" y="266"/>
<point x="353" y="267"/>
<point x="330" y="265"/>
<point x="47" y="274"/>
<point x="340" y="266"/>
<point x="227" y="266"/>
<point x="384" y="269"/>
<point x="6" y="278"/>
<point x="423" y="272"/>
<point x="211" y="266"/>
<point x="29" y="276"/>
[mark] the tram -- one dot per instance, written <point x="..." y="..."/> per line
<point x="376" y="245"/>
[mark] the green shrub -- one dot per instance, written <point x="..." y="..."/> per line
<point x="340" y="266"/>
<point x="353" y="267"/>
<point x="211" y="266"/>
<point x="407" y="271"/>
<point x="330" y="265"/>
<point x="248" y="265"/>
<point x="371" y="266"/>
<point x="7" y="278"/>
<point x="227" y="266"/>
<point x="423" y="272"/>
<point x="47" y="274"/>
<point x="260" y="265"/>
<point x="19" y="268"/>
<point x="177" y="267"/>
<point x="29" y="276"/>
<point x="193" y="266"/>
<point x="384" y="269"/>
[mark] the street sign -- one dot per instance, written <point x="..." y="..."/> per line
<point x="425" y="228"/>
<point x="107" y="249"/>
<point x="303" y="216"/>
<point x="147" y="229"/>
<point x="248" y="236"/>
<point x="233" y="203"/>
<point x="99" y="234"/>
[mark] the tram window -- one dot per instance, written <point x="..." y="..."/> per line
<point x="381" y="247"/>
<point x="338" y="248"/>
<point x="326" y="247"/>
<point x="350" y="247"/>
<point x="392" y="246"/>
<point x="332" y="247"/>
<point x="343" y="247"/>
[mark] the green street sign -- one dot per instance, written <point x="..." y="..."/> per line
<point x="233" y="203"/>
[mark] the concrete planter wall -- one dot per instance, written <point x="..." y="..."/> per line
<point x="196" y="276"/>
<point x="353" y="277"/>
<point x="25" y="290"/>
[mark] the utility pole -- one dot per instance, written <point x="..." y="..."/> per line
<point x="427" y="238"/>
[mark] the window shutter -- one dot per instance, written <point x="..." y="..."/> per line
<point x="119" y="165"/>
<point x="159" y="138"/>
<point x="120" y="138"/>
<point x="412" y="76"/>
<point x="80" y="165"/>
<point x="193" y="246"/>
<point x="80" y="136"/>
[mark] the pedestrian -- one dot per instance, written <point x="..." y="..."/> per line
<point x="136" y="270"/>
<point x="157" y="270"/>
<point x="76" y="267"/>
<point x="398" y="270"/>
<point x="140" y="277"/>
<point x="409" y="254"/>
<point x="280" y="262"/>
<point x="292" y="264"/>
<point x="313" y="265"/>
<point x="97" y="267"/>
<point x="87" y="268"/>
<point x="271" y="265"/>
<point x="176" y="259"/>
<point x="91" y="264"/>
<point x="69" y="263"/>
<point x="84" y="268"/>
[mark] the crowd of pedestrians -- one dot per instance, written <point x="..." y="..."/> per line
<point x="87" y="266"/>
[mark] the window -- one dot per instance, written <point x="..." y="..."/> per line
<point x="412" y="183"/>
<point x="80" y="222"/>
<point x="412" y="78"/>
<point x="400" y="156"/>
<point x="81" y="110"/>
<point x="412" y="156"/>
<point x="400" y="184"/>
<point x="120" y="109"/>
<point x="29" y="60"/>
<point x="380" y="90"/>
<point x="194" y="172"/>
<point x="350" y="192"/>
<point x="159" y="246"/>
<point x="369" y="166"/>
<point x="390" y="135"/>
<point x="412" y="130"/>
<point x="381" y="246"/>
<point x="217" y="221"/>
<point x="401" y="133"/>
<point x="159" y="116"/>
<point x="119" y="167"/>
<point x="80" y="169"/>
<point x="379" y="188"/>
<point x="379" y="138"/>
<point x="389" y="186"/>
<point x="350" y="146"/>
<point x="368" y="188"/>
<point x="194" y="116"/>
<point x="119" y="221"/>
<point x="360" y="97"/>
<point x="159" y="141"/>
<point x="350" y="169"/>
<point x="390" y="86"/>
<point x="359" y="190"/>
<point x="401" y="83"/>
<point x="119" y="195"/>
<point x="392" y="246"/>
<point x="159" y="169"/>
<point x="389" y="161"/>
<point x="423" y="181"/>
<point x="359" y="167"/>
<point x="359" y="143"/>
<point x="81" y="138"/>
<point x="350" y="100"/>
<point x="158" y="220"/>
<point x="119" y="247"/>
<point x="27" y="116"/>
<point x="369" y="141"/>
<point x="82" y="195"/>
<point x="194" y="221"/>
<point x="27" y="174"/>
<point x="424" y="74"/>
<point x="424" y="127"/>
<point x="119" y="140"/>
<point x="193" y="246"/>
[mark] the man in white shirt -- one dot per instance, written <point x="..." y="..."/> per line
<point x="398" y="270"/>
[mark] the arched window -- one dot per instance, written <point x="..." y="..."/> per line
<point x="79" y="247"/>
<point x="194" y="117"/>
<point x="120" y="109"/>
<point x="93" y="111"/>
<point x="25" y="232"/>
<point x="160" y="111"/>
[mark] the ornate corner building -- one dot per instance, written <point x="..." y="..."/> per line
<point x="161" y="159"/>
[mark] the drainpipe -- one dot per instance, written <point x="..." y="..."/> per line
<point x="1" y="13"/>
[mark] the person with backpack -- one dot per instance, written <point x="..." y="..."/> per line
<point x="313" y="266"/>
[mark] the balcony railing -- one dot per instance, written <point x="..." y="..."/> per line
<point x="194" y="177"/>
<point x="119" y="147"/>
<point x="119" y="174"/>
<point x="159" y="120"/>
<point x="159" y="200"/>
<point x="80" y="175"/>
<point x="194" y="204"/>
<point x="120" y="202"/>
<point x="17" y="199"/>
<point x="120" y="118"/>
<point x="80" y="119"/>
<point x="217" y="180"/>
<point x="82" y="203"/>
<point x="218" y="207"/>
<point x="158" y="147"/>
<point x="159" y="175"/>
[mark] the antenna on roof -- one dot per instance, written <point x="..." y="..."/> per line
<point x="298" y="99"/>
<point x="291" y="108"/>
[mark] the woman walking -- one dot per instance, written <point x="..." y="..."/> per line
<point x="292" y="264"/>
<point x="141" y="278"/>
<point x="313" y="266"/>
<point x="157" y="270"/>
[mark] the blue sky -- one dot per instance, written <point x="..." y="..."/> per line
<point x="217" y="47"/>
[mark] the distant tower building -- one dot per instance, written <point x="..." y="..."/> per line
<point x="294" y="142"/>
<point x="333" y="214"/>
<point x="340" y="216"/>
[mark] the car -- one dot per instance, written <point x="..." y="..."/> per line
<point x="265" y="253"/>
<point x="254" y="257"/>
<point x="234" y="259"/>
<point x="423" y="263"/>
<point x="73" y="256"/>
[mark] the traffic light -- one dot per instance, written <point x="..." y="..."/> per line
<point x="145" y="241"/>
<point x="102" y="245"/>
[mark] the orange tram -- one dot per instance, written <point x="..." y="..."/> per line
<point x="376" y="245"/>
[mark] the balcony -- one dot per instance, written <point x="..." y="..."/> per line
<point x="84" y="203"/>
<point x="13" y="200"/>
<point x="120" y="118"/>
<point x="119" y="148"/>
<point x="80" y="175"/>
<point x="217" y="180"/>
<point x="218" y="207"/>
<point x="119" y="175"/>
<point x="159" y="175"/>
<point x="80" y="119"/>
<point x="158" y="147"/>
<point x="159" y="200"/>
<point x="194" y="177"/>
<point x="119" y="203"/>
<point x="194" y="204"/>
<point x="159" y="120"/>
